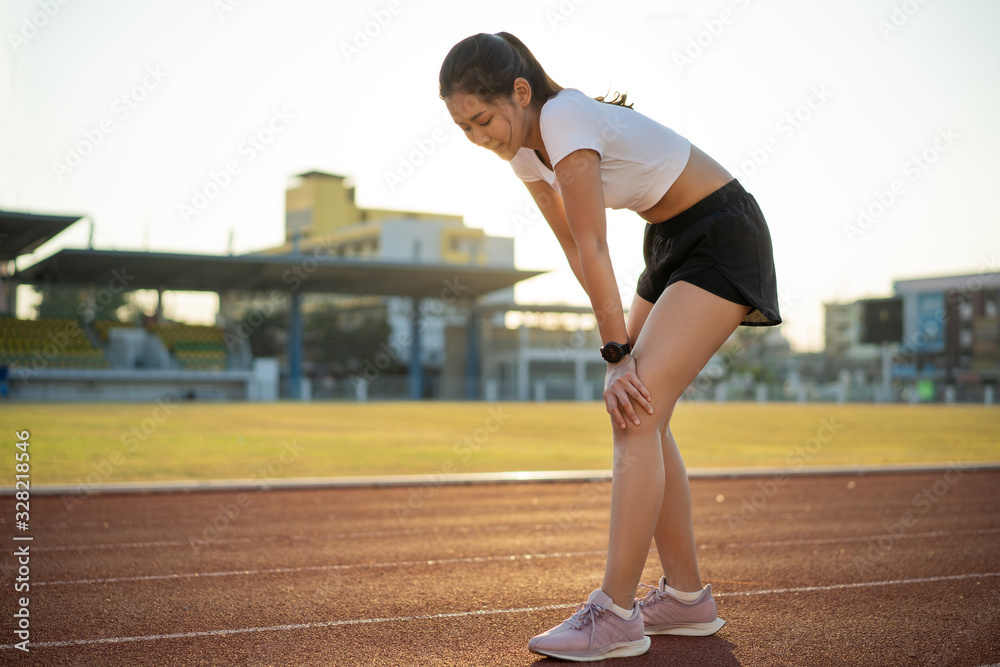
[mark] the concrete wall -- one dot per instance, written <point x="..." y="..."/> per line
<point x="261" y="384"/>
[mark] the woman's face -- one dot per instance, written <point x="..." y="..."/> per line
<point x="498" y="126"/>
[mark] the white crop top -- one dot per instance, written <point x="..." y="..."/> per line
<point x="640" y="159"/>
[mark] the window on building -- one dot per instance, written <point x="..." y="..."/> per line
<point x="990" y="305"/>
<point x="965" y="309"/>
<point x="965" y="338"/>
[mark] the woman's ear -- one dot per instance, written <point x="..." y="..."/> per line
<point x="522" y="92"/>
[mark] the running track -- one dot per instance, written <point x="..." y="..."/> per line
<point x="826" y="570"/>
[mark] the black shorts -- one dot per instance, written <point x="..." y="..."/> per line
<point x="720" y="244"/>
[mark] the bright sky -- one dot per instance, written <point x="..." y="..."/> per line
<point x="123" y="111"/>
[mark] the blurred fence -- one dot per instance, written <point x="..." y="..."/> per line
<point x="453" y="387"/>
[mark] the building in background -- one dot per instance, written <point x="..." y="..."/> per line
<point x="850" y="365"/>
<point x="842" y="337"/>
<point x="323" y="218"/>
<point x="525" y="352"/>
<point x="936" y="339"/>
<point x="950" y="348"/>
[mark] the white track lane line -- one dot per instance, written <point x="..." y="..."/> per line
<point x="479" y="612"/>
<point x="481" y="559"/>
<point x="862" y="584"/>
<point x="159" y="545"/>
<point x="274" y="538"/>
<point x="326" y="568"/>
<point x="857" y="538"/>
<point x="713" y="518"/>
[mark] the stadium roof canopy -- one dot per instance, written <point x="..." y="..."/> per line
<point x="303" y="272"/>
<point x="297" y="273"/>
<point x="22" y="233"/>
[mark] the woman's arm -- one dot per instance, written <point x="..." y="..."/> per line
<point x="579" y="177"/>
<point x="551" y="206"/>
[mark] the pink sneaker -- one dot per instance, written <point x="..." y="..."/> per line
<point x="664" y="614"/>
<point x="593" y="632"/>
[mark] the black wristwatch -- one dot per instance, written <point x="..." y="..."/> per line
<point x="615" y="352"/>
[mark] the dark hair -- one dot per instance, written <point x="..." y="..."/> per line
<point x="618" y="99"/>
<point x="487" y="65"/>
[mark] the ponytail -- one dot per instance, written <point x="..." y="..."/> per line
<point x="618" y="99"/>
<point x="542" y="84"/>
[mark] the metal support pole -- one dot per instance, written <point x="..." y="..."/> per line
<point x="158" y="313"/>
<point x="886" y="373"/>
<point x="472" y="361"/>
<point x="416" y="365"/>
<point x="295" y="346"/>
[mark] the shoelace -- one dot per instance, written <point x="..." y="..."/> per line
<point x="653" y="594"/>
<point x="586" y="611"/>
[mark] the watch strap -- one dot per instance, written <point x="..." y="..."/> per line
<point x="622" y="350"/>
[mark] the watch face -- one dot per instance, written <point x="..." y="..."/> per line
<point x="611" y="353"/>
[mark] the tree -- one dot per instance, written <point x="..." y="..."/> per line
<point x="72" y="303"/>
<point x="343" y="339"/>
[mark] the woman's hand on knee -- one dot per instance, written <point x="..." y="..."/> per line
<point x="623" y="390"/>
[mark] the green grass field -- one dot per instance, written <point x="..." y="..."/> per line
<point x="132" y="442"/>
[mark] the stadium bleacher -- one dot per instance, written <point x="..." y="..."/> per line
<point x="62" y="343"/>
<point x="195" y="347"/>
<point x="51" y="343"/>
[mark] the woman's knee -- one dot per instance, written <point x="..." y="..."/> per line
<point x="637" y="445"/>
<point x="649" y="428"/>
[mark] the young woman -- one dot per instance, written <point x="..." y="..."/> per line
<point x="708" y="269"/>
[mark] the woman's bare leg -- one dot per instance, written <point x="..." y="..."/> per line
<point x="674" y="532"/>
<point x="681" y="332"/>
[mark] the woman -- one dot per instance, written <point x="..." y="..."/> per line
<point x="709" y="269"/>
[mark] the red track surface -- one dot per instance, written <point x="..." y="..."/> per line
<point x="808" y="571"/>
